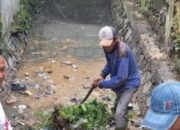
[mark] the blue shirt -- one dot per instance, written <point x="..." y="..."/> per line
<point x="124" y="71"/>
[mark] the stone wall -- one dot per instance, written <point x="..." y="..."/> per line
<point x="136" y="32"/>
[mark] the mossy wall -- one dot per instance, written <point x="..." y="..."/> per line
<point x="13" y="43"/>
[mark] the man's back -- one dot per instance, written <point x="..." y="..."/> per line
<point x="122" y="63"/>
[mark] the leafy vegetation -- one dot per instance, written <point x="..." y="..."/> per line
<point x="4" y="47"/>
<point x="87" y="116"/>
<point x="45" y="120"/>
<point x="22" y="21"/>
<point x="23" y="18"/>
<point x="144" y="5"/>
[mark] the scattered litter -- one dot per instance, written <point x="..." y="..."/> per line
<point x="27" y="78"/>
<point x="27" y="93"/>
<point x="135" y="123"/>
<point x="26" y="74"/>
<point x="54" y="53"/>
<point x="86" y="86"/>
<point x="37" y="86"/>
<point x="63" y="48"/>
<point x="64" y="84"/>
<point x="11" y="101"/>
<point x="18" y="86"/>
<point x="21" y="108"/>
<point x="44" y="75"/>
<point x="40" y="70"/>
<point x="130" y="106"/>
<point x="49" y="90"/>
<point x="66" y="76"/>
<point x="106" y="98"/>
<point x="72" y="78"/>
<point x="87" y="77"/>
<point x="67" y="62"/>
<point x="38" y="53"/>
<point x="75" y="100"/>
<point x="53" y="61"/>
<point x="74" y="66"/>
<point x="49" y="71"/>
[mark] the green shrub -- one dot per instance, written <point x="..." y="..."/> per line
<point x="86" y="116"/>
<point x="45" y="120"/>
<point x="23" y="18"/>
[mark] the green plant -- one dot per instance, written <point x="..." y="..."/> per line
<point x="177" y="48"/>
<point x="93" y="114"/>
<point x="131" y="114"/>
<point x="4" y="47"/>
<point x="144" y="5"/>
<point x="23" y="18"/>
<point x="45" y="120"/>
<point x="87" y="116"/>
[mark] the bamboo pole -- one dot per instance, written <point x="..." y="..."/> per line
<point x="169" y="21"/>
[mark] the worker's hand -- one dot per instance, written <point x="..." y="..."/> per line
<point x="96" y="82"/>
<point x="99" y="78"/>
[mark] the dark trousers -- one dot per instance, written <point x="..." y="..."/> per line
<point x="121" y="103"/>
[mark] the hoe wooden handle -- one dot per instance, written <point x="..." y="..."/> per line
<point x="87" y="95"/>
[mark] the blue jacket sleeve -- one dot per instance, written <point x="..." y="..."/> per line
<point x="106" y="70"/>
<point x="121" y="77"/>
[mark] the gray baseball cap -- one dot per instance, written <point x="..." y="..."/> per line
<point x="106" y="35"/>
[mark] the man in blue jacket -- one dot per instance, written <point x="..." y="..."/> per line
<point x="124" y="73"/>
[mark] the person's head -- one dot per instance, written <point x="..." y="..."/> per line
<point x="2" y="69"/>
<point x="108" y="38"/>
<point x="164" y="111"/>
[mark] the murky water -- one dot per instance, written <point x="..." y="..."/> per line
<point x="69" y="28"/>
<point x="61" y="39"/>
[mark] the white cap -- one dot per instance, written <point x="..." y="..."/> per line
<point x="106" y="35"/>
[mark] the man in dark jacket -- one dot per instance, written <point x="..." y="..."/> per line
<point x="124" y="73"/>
